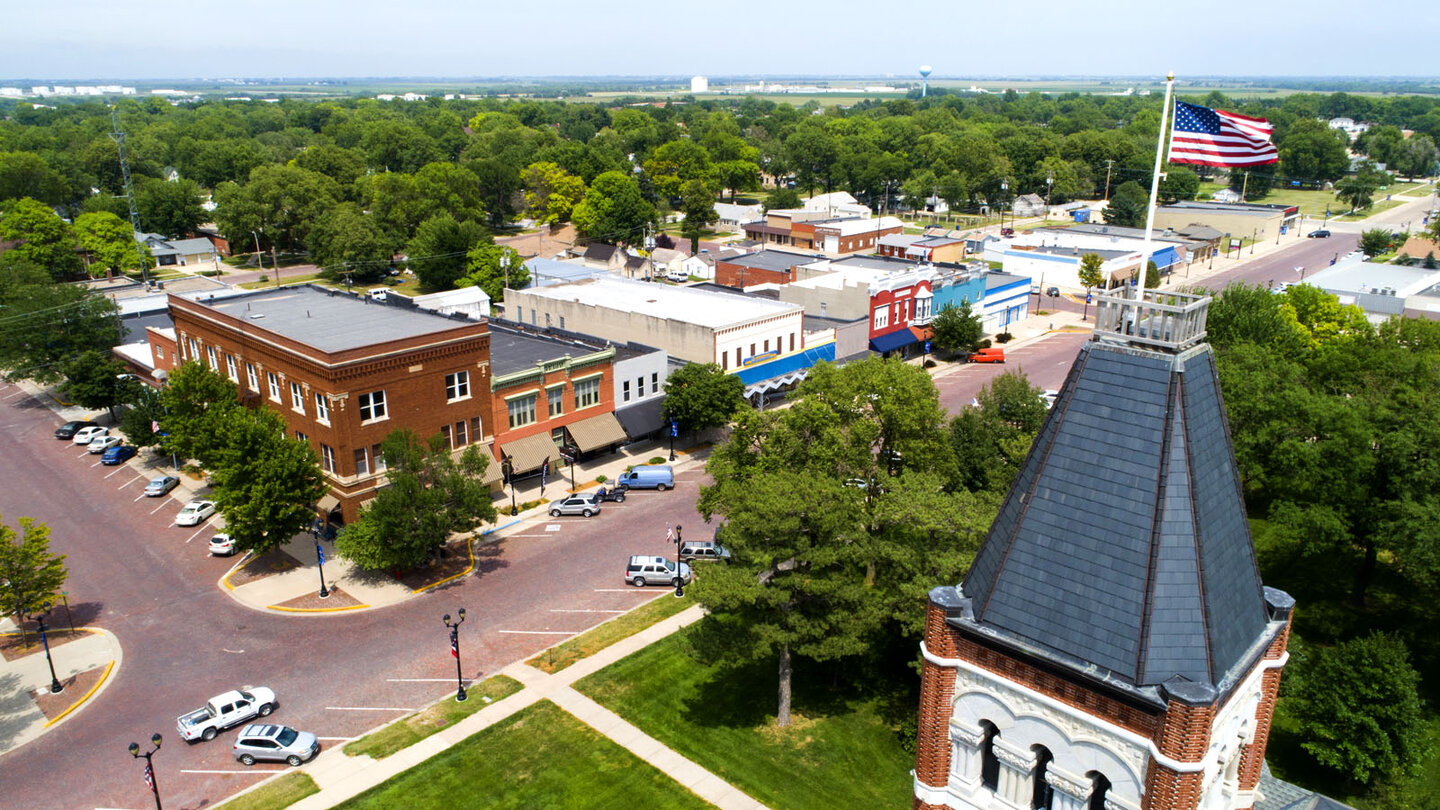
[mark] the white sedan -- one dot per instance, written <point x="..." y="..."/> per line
<point x="100" y="444"/>
<point x="194" y="512"/>
<point x="221" y="545"/>
<point x="86" y="434"/>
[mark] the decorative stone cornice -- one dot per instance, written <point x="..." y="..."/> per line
<point x="968" y="736"/>
<point x="1022" y="761"/>
<point x="1069" y="785"/>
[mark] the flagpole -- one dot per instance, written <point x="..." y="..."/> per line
<point x="1154" y="193"/>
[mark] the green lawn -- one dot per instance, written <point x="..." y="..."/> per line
<point x="840" y="751"/>
<point x="412" y="729"/>
<point x="598" y="638"/>
<point x="280" y="792"/>
<point x="540" y="757"/>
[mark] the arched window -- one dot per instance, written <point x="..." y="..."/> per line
<point x="989" y="765"/>
<point x="1100" y="786"/>
<point x="1040" y="799"/>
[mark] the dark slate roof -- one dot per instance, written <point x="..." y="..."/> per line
<point x="1277" y="794"/>
<point x="600" y="251"/>
<point x="1123" y="543"/>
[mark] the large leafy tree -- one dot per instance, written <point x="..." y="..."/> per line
<point x="613" y="210"/>
<point x="265" y="481"/>
<point x="956" y="329"/>
<point x="42" y="236"/>
<point x="431" y="495"/>
<point x="1374" y="241"/>
<point x="138" y="422"/>
<point x="991" y="439"/>
<point x="698" y="205"/>
<point x="700" y="396"/>
<point x="44" y="325"/>
<point x="439" y="252"/>
<point x="95" y="379"/>
<point x="198" y="403"/>
<point x="1356" y="192"/>
<point x="280" y="203"/>
<point x="676" y="163"/>
<point x="494" y="269"/>
<point x="170" y="208"/>
<point x="30" y="576"/>
<point x="1127" y="206"/>
<point x="1358" y="706"/>
<point x="344" y="241"/>
<point x="26" y="174"/>
<point x="1312" y="151"/>
<point x="551" y="192"/>
<point x="110" y="241"/>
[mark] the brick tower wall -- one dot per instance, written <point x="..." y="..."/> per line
<point x="1184" y="734"/>
<point x="937" y="696"/>
<point x="1252" y="757"/>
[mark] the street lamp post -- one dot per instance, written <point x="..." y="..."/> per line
<point x="65" y="597"/>
<point x="455" y="651"/>
<point x="679" y="575"/>
<point x="55" y="686"/>
<point x="320" y="563"/>
<point x="674" y="430"/>
<point x="507" y="471"/>
<point x="149" y="766"/>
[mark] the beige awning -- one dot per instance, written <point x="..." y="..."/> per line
<point x="492" y="473"/>
<point x="529" y="453"/>
<point x="597" y="431"/>
<point x="327" y="503"/>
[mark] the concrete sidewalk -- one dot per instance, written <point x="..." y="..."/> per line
<point x="21" y="719"/>
<point x="341" y="777"/>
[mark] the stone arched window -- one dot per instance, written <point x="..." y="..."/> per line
<point x="1100" y="787"/>
<point x="989" y="763"/>
<point x="1043" y="792"/>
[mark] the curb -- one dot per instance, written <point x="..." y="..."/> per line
<point x="315" y="610"/>
<point x="104" y="676"/>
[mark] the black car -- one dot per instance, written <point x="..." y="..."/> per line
<point x="68" y="430"/>
<point x="1320" y="234"/>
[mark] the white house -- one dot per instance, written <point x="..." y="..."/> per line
<point x="837" y="204"/>
<point x="471" y="301"/>
<point x="733" y="217"/>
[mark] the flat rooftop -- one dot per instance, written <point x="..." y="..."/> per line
<point x="710" y="309"/>
<point x="1056" y="250"/>
<point x="331" y="321"/>
<point x="1352" y="274"/>
<point x="767" y="260"/>
<point x="513" y="350"/>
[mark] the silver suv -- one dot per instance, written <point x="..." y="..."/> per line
<point x="642" y="571"/>
<point x="275" y="743"/>
<point x="582" y="503"/>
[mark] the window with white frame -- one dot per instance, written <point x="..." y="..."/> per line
<point x="327" y="458"/>
<point x="640" y="386"/>
<point x="521" y="410"/>
<point x="250" y="377"/>
<point x="194" y="349"/>
<point x="587" y="393"/>
<point x="882" y="317"/>
<point x="457" y="386"/>
<point x="372" y="406"/>
<point x="274" y="383"/>
<point x="297" y="398"/>
<point x="230" y="369"/>
<point x="322" y="408"/>
<point x="362" y="463"/>
<point x="555" y="400"/>
<point x="379" y="458"/>
<point x="625" y="391"/>
<point x="301" y="436"/>
<point x="654" y="382"/>
<point x="211" y="359"/>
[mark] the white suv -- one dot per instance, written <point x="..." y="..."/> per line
<point x="642" y="571"/>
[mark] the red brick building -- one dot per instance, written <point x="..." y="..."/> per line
<point x="343" y="372"/>
<point x="1131" y="660"/>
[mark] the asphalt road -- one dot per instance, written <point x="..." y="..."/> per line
<point x="337" y="675"/>
<point x="1045" y="362"/>
<point x="1313" y="255"/>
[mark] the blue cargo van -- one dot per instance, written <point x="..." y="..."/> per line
<point x="648" y="476"/>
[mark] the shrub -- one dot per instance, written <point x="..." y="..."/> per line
<point x="1004" y="337"/>
<point x="656" y="460"/>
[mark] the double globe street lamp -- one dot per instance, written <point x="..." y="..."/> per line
<point x="150" y="780"/>
<point x="455" y="651"/>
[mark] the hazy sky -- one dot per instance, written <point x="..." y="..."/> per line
<point x="126" y="39"/>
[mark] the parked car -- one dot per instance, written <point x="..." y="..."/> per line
<point x="581" y="503"/>
<point x="616" y="494"/>
<point x="194" y="512"/>
<point x="1007" y="231"/>
<point x="274" y="743"/>
<point x="642" y="571"/>
<point x="100" y="444"/>
<point x="648" y="476"/>
<point x="1053" y="292"/>
<point x="704" y="550"/>
<point x="992" y="354"/>
<point x="1320" y="234"/>
<point x="225" y="710"/>
<point x="117" y="454"/>
<point x="160" y="486"/>
<point x="87" y="434"/>
<point x="221" y="545"/>
<point x="69" y="429"/>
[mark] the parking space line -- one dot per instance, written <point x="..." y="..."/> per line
<point x="335" y="739"/>
<point x="120" y="470"/>
<point x="142" y="494"/>
<point x="366" y="709"/>
<point x="540" y="632"/>
<point x="83" y="453"/>
<point x="244" y="771"/>
<point x="163" y="505"/>
<point x="563" y="610"/>
<point x="620" y="590"/>
<point x="16" y="394"/>
<point x="97" y="464"/>
<point x="197" y="533"/>
<point x="419" y="680"/>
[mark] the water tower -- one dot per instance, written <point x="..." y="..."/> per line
<point x="924" y="79"/>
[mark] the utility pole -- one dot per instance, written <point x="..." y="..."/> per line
<point x="1244" y="186"/>
<point x="119" y="138"/>
<point x="1049" y="184"/>
<point x="1109" y="164"/>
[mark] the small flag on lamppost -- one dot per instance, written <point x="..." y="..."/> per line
<point x="149" y="777"/>
<point x="455" y="643"/>
<point x="320" y="553"/>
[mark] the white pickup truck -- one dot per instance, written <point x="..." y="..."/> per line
<point x="225" y="710"/>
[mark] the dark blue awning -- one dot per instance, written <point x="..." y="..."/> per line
<point x="893" y="340"/>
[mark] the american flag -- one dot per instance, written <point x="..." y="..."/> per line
<point x="669" y="534"/>
<point x="149" y="777"/>
<point x="1218" y="138"/>
<point x="455" y="642"/>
